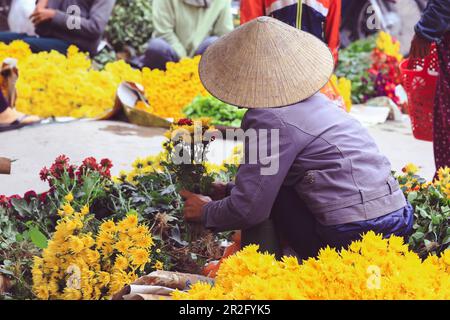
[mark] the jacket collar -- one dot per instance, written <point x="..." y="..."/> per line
<point x="199" y="3"/>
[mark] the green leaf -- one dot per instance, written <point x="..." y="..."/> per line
<point x="22" y="207"/>
<point x="436" y="220"/>
<point x="446" y="240"/>
<point x="418" y="236"/>
<point x="412" y="196"/>
<point x="38" y="238"/>
<point x="19" y="237"/>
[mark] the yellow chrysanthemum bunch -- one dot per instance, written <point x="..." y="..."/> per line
<point x="170" y="91"/>
<point x="142" y="167"/>
<point x="344" y="88"/>
<point x="52" y="84"/>
<point x="80" y="265"/>
<point x="373" y="268"/>
<point x="388" y="45"/>
<point x="443" y="181"/>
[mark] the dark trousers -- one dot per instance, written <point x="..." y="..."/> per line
<point x="36" y="44"/>
<point x="292" y="224"/>
<point x="159" y="52"/>
<point x="3" y="102"/>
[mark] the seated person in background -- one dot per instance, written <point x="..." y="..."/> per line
<point x="61" y="23"/>
<point x="185" y="28"/>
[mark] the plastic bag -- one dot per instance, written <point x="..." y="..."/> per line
<point x="19" y="16"/>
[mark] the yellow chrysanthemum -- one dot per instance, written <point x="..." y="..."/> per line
<point x="69" y="197"/>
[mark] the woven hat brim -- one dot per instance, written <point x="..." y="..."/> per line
<point x="266" y="64"/>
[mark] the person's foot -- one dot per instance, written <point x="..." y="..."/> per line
<point x="10" y="115"/>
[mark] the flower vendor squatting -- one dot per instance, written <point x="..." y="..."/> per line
<point x="332" y="185"/>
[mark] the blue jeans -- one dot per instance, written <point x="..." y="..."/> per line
<point x="159" y="52"/>
<point x="36" y="44"/>
<point x="298" y="227"/>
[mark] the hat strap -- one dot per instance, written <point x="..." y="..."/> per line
<point x="299" y="14"/>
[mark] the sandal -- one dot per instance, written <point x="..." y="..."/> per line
<point x="17" y="124"/>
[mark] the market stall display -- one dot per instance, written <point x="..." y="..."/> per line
<point x="372" y="66"/>
<point x="117" y="229"/>
<point x="95" y="236"/>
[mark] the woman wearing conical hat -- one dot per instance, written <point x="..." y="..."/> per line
<point x="331" y="183"/>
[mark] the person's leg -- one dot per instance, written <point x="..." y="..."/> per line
<point x="8" y="37"/>
<point x="205" y="44"/>
<point x="296" y="224"/>
<point x="398" y="223"/>
<point x="36" y="44"/>
<point x="47" y="44"/>
<point x="158" y="53"/>
<point x="441" y="128"/>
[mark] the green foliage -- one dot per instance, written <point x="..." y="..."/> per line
<point x="219" y="112"/>
<point x="131" y="24"/>
<point x="354" y="63"/>
<point x="432" y="215"/>
<point x="16" y="255"/>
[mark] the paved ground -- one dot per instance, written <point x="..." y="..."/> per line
<point x="37" y="147"/>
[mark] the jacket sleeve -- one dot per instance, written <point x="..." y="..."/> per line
<point x="332" y="28"/>
<point x="90" y="28"/>
<point x="251" y="9"/>
<point x="435" y="21"/>
<point x="224" y="23"/>
<point x="164" y="25"/>
<point x="252" y="198"/>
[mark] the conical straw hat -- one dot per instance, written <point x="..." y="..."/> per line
<point x="265" y="63"/>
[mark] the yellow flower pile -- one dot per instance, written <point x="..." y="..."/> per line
<point x="388" y="45"/>
<point x="170" y="91"/>
<point x="373" y="268"/>
<point x="52" y="84"/>
<point x="78" y="264"/>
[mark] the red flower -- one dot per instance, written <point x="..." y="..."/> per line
<point x="106" y="164"/>
<point x="43" y="197"/>
<point x="62" y="160"/>
<point x="44" y="174"/>
<point x="185" y="122"/>
<point x="4" y="201"/>
<point x="30" y="195"/>
<point x="90" y="163"/>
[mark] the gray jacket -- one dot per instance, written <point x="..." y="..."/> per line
<point x="326" y="155"/>
<point x="94" y="16"/>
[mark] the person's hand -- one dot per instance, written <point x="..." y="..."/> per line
<point x="41" y="15"/>
<point x="218" y="191"/>
<point x="193" y="205"/>
<point x="420" y="47"/>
